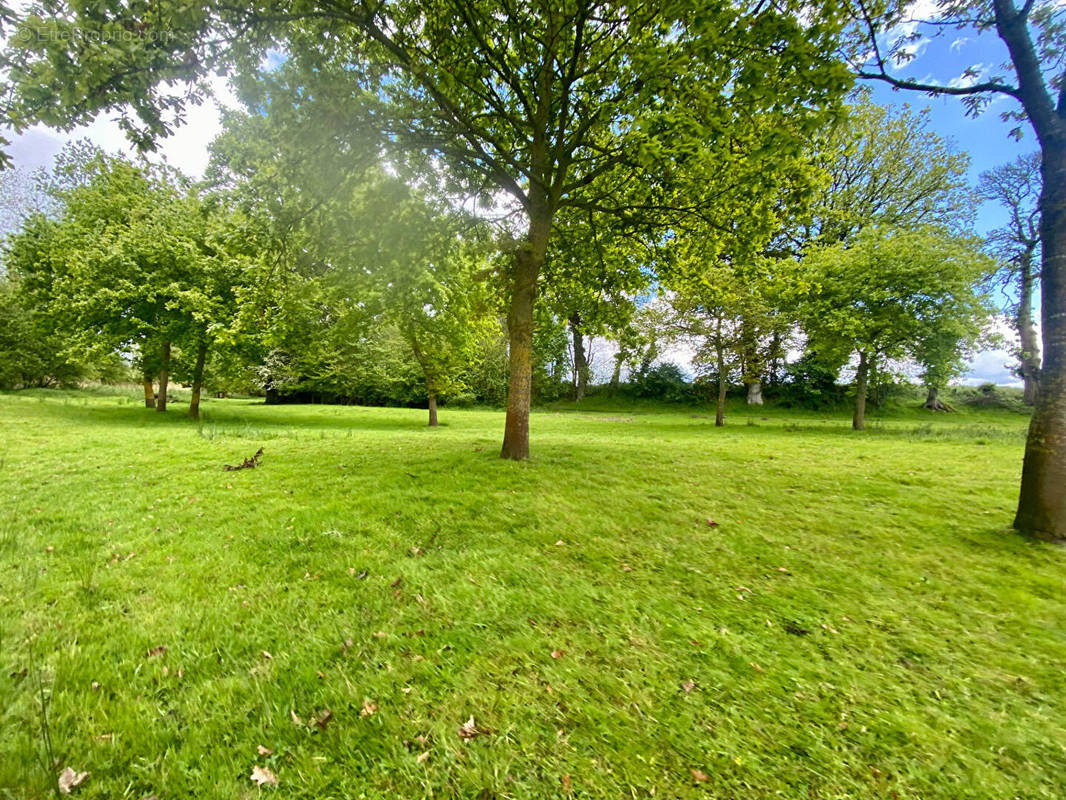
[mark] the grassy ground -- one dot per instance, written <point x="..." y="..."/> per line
<point x="859" y="622"/>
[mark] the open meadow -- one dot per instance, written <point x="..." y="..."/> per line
<point x="649" y="607"/>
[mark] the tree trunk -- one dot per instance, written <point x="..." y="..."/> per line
<point x="755" y="393"/>
<point x="197" y="380"/>
<point x="719" y="414"/>
<point x="773" y="365"/>
<point x="1042" y="499"/>
<point x="528" y="261"/>
<point x="858" y="421"/>
<point x="164" y="377"/>
<point x="616" y="375"/>
<point x="1030" y="344"/>
<point x="753" y="361"/>
<point x="432" y="410"/>
<point x="149" y="392"/>
<point x="933" y="401"/>
<point x="581" y="364"/>
<point x="423" y="362"/>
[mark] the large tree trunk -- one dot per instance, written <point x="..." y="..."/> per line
<point x="432" y="410"/>
<point x="149" y="392"/>
<point x="755" y="393"/>
<point x="1030" y="344"/>
<point x="1042" y="499"/>
<point x="581" y="364"/>
<point x="164" y="377"/>
<point x="528" y="260"/>
<point x="197" y="380"/>
<point x="858" y="421"/>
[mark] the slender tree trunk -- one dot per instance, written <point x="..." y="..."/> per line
<point x="616" y="375"/>
<point x="432" y="410"/>
<point x="719" y="414"/>
<point x="149" y="392"/>
<point x="581" y="364"/>
<point x="423" y="362"/>
<point x="753" y="361"/>
<point x="755" y="393"/>
<point x="197" y="380"/>
<point x="1030" y="343"/>
<point x="164" y="377"/>
<point x="775" y="358"/>
<point x="858" y="421"/>
<point x="528" y="261"/>
<point x="1042" y="499"/>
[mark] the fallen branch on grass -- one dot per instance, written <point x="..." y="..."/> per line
<point x="248" y="463"/>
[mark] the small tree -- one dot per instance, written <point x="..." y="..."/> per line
<point x="892" y="294"/>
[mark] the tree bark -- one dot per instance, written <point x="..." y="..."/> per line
<point x="1030" y="344"/>
<point x="528" y="261"/>
<point x="581" y="364"/>
<point x="198" y="380"/>
<point x="164" y="377"/>
<point x="1042" y="498"/>
<point x="858" y="421"/>
<point x="432" y="410"/>
<point x="149" y="392"/>
<point x="755" y="393"/>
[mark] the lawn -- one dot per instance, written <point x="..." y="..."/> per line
<point x="649" y="607"/>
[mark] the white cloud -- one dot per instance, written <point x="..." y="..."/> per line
<point x="186" y="148"/>
<point x="968" y="78"/>
<point x="958" y="44"/>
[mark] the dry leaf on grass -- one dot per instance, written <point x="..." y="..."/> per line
<point x="557" y="654"/>
<point x="69" y="780"/>
<point x="699" y="776"/>
<point x="422" y="757"/>
<point x="368" y="708"/>
<point x="688" y="686"/>
<point x="323" y="719"/>
<point x="263" y="776"/>
<point x="157" y="651"/>
<point x="264" y="751"/>
<point x="469" y="729"/>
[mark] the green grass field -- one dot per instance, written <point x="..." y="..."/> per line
<point x="860" y="622"/>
